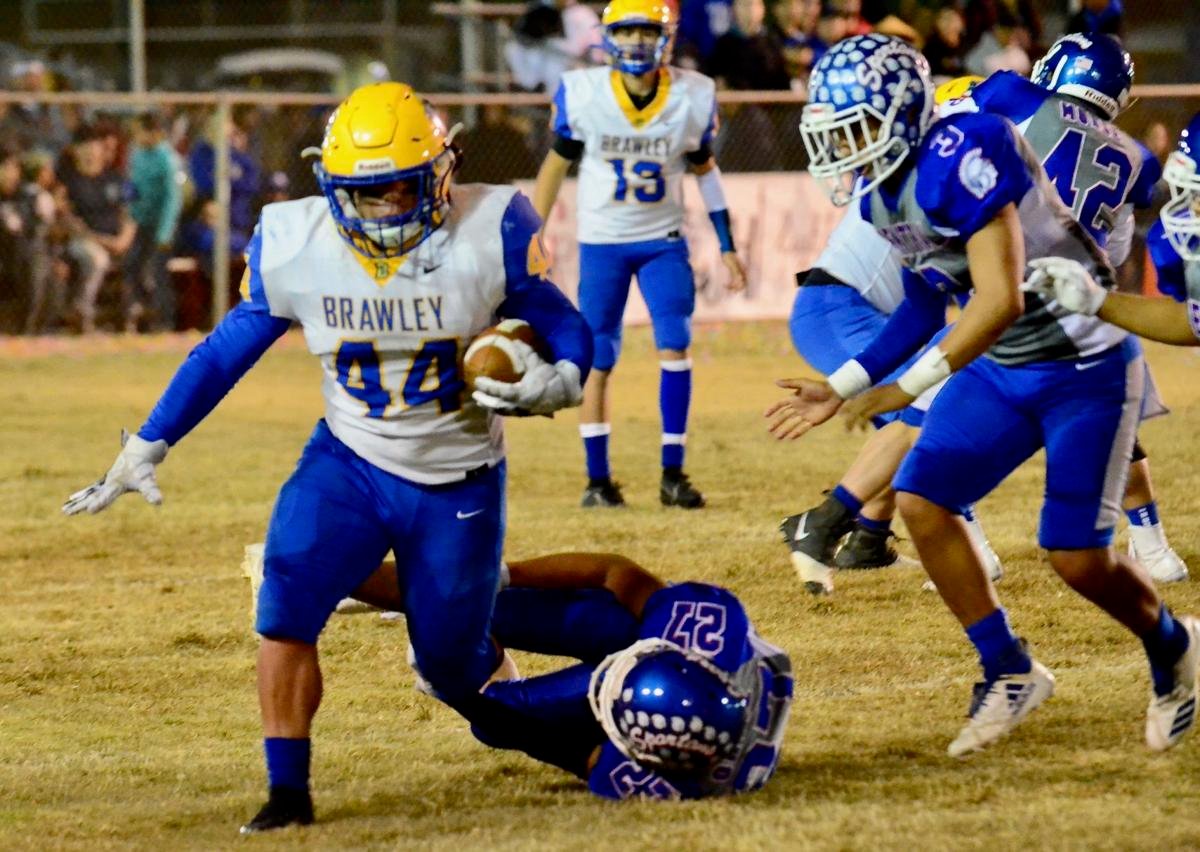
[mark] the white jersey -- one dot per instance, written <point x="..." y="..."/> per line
<point x="390" y="332"/>
<point x="857" y="255"/>
<point x="631" y="176"/>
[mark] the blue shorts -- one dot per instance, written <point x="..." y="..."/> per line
<point x="988" y="419"/>
<point x="665" y="278"/>
<point x="831" y="323"/>
<point x="334" y="522"/>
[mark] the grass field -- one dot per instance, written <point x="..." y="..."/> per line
<point x="127" y="709"/>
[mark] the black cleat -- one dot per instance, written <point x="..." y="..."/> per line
<point x="677" y="490"/>
<point x="602" y="493"/>
<point x="866" y="549"/>
<point x="813" y="537"/>
<point x="285" y="806"/>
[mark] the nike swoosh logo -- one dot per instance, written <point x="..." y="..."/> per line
<point x="429" y="269"/>
<point x="801" y="533"/>
<point x="462" y="516"/>
<point x="1088" y="366"/>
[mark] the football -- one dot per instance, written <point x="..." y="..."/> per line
<point x="492" y="353"/>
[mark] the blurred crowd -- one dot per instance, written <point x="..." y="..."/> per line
<point x="107" y="217"/>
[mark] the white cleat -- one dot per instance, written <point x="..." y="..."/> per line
<point x="817" y="578"/>
<point x="1172" y="715"/>
<point x="1149" y="548"/>
<point x="1001" y="705"/>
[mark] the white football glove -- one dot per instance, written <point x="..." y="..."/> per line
<point x="132" y="471"/>
<point x="543" y="389"/>
<point x="1068" y="282"/>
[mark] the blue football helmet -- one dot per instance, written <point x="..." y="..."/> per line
<point x="1092" y="67"/>
<point x="1181" y="215"/>
<point x="870" y="103"/>
<point x="671" y="710"/>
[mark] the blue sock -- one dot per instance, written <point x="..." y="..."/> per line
<point x="595" y="448"/>
<point x="1143" y="516"/>
<point x="674" y="398"/>
<point x="872" y="525"/>
<point x="1000" y="651"/>
<point x="853" y="504"/>
<point x="288" y="761"/>
<point x="1164" y="644"/>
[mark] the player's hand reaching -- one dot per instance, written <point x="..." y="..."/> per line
<point x="132" y="471"/>
<point x="1068" y="282"/>
<point x="878" y="400"/>
<point x="544" y="388"/>
<point x="812" y="403"/>
<point x="737" y="272"/>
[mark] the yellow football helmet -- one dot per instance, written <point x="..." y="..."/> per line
<point x="954" y="89"/>
<point x="382" y="134"/>
<point x="639" y="59"/>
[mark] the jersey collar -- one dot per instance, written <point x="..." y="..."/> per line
<point x="639" y="118"/>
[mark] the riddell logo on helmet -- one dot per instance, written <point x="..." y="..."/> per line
<point x="375" y="166"/>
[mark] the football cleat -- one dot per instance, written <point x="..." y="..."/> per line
<point x="602" y="493"/>
<point x="812" y="537"/>
<point x="1172" y="715"/>
<point x="677" y="490"/>
<point x="285" y="806"/>
<point x="998" y="706"/>
<point x="866" y="549"/>
<point x="1149" y="548"/>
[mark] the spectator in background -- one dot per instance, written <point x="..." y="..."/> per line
<point x="1097" y="16"/>
<point x="796" y="26"/>
<point x="499" y="151"/>
<point x="101" y="230"/>
<point x="701" y="23"/>
<point x="552" y="36"/>
<point x="749" y="56"/>
<point x="33" y="125"/>
<point x="153" y="174"/>
<point x="245" y="179"/>
<point x="1019" y="18"/>
<point x="1000" y="49"/>
<point x="26" y="212"/>
<point x="944" y="48"/>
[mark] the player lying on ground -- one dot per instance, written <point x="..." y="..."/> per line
<point x="390" y="275"/>
<point x="1065" y="113"/>
<point x="1174" y="244"/>
<point x="635" y="127"/>
<point x="675" y="696"/>
<point x="966" y="201"/>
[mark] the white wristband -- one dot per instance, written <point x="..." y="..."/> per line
<point x="711" y="191"/>
<point x="926" y="372"/>
<point x="849" y="380"/>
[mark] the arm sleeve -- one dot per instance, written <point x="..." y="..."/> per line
<point x="971" y="169"/>
<point x="567" y="148"/>
<point x="560" y="118"/>
<point x="1142" y="193"/>
<point x="172" y="202"/>
<point x="211" y="370"/>
<point x="1121" y="238"/>
<point x="533" y="298"/>
<point x="919" y="317"/>
<point x="1168" y="264"/>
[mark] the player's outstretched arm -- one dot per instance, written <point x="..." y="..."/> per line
<point x="209" y="373"/>
<point x="631" y="584"/>
<point x="550" y="178"/>
<point x="1164" y="320"/>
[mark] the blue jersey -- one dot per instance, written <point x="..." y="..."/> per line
<point x="1100" y="171"/>
<point x="1177" y="278"/>
<point x="710" y="621"/>
<point x="967" y="169"/>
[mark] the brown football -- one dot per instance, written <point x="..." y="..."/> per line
<point x="491" y="353"/>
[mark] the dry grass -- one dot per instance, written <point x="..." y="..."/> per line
<point x="127" y="711"/>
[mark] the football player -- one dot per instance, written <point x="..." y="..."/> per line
<point x="675" y="695"/>
<point x="635" y="127"/>
<point x="1174" y="244"/>
<point x="389" y="274"/>
<point x="1065" y="113"/>
<point x="966" y="201"/>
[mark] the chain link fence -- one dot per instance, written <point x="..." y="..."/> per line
<point x="83" y="244"/>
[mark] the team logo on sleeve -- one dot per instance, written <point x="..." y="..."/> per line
<point x="947" y="141"/>
<point x="977" y="173"/>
